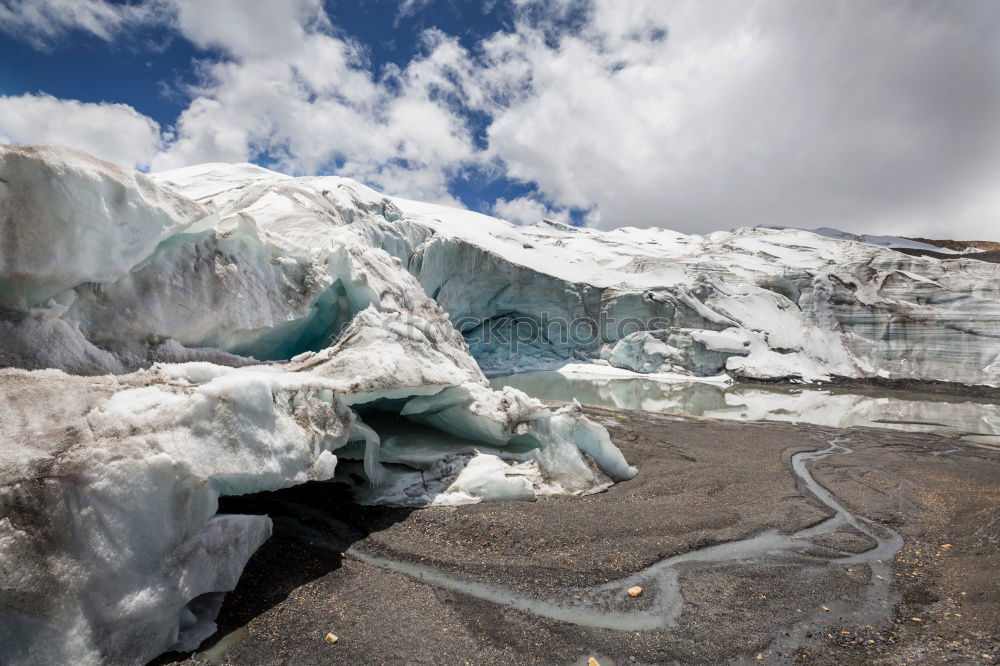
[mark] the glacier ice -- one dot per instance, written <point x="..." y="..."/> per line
<point x="697" y="351"/>
<point x="110" y="538"/>
<point x="806" y="306"/>
<point x="68" y="218"/>
<point x="168" y="351"/>
<point x="895" y="242"/>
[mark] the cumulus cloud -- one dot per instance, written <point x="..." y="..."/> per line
<point x="250" y="28"/>
<point x="114" y="132"/>
<point x="525" y="210"/>
<point x="279" y="83"/>
<point x="302" y="95"/>
<point x="708" y="115"/>
<point x="41" y="22"/>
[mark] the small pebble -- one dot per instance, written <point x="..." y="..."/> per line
<point x="634" y="591"/>
<point x="331" y="638"/>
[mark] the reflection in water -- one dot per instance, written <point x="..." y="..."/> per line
<point x="828" y="406"/>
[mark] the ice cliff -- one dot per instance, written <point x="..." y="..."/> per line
<point x="162" y="352"/>
<point x="264" y="264"/>
<point x="753" y="303"/>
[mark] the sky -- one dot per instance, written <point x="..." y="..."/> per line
<point x="870" y="116"/>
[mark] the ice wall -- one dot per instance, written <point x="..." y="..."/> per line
<point x="796" y="305"/>
<point x="269" y="281"/>
<point x="51" y="198"/>
<point x="801" y="305"/>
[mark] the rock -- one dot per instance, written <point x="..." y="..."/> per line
<point x="592" y="662"/>
<point x="331" y="638"/>
<point x="634" y="591"/>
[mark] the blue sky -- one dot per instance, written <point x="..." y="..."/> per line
<point x="688" y="114"/>
<point x="148" y="70"/>
<point x="142" y="69"/>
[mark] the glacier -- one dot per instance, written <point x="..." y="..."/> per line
<point x="161" y="352"/>
<point x="223" y="329"/>
<point x="269" y="265"/>
<point x="760" y="303"/>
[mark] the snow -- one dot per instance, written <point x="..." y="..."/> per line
<point x="879" y="241"/>
<point x="806" y="306"/>
<point x="599" y="371"/>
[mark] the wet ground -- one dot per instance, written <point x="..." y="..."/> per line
<point x="746" y="547"/>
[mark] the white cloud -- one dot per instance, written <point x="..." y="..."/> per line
<point x="41" y="22"/>
<point x="410" y="8"/>
<point x="306" y="98"/>
<point x="114" y="132"/>
<point x="525" y="210"/>
<point x="250" y="28"/>
<point x="280" y="83"/>
<point x="865" y="116"/>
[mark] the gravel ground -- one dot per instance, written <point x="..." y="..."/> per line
<point x="701" y="482"/>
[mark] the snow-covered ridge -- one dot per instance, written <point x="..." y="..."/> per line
<point x="894" y="242"/>
<point x="136" y="395"/>
<point x="778" y="303"/>
<point x="756" y="303"/>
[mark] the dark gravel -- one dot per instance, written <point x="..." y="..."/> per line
<point x="701" y="482"/>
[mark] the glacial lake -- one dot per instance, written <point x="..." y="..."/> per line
<point x="825" y="405"/>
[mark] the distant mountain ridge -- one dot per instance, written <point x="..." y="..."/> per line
<point x="960" y="245"/>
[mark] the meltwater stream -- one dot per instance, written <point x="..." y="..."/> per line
<point x="607" y="605"/>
